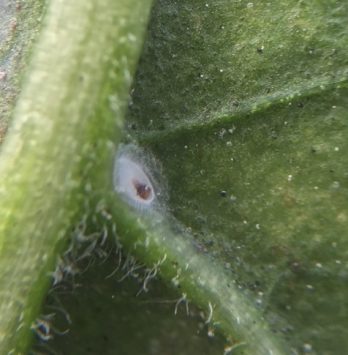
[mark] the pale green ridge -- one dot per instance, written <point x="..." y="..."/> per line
<point x="171" y="252"/>
<point x="77" y="84"/>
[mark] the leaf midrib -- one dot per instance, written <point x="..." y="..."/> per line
<point x="245" y="108"/>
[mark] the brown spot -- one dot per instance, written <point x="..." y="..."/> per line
<point x="143" y="191"/>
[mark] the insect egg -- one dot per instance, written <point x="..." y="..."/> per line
<point x="132" y="182"/>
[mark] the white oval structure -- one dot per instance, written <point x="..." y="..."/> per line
<point x="132" y="182"/>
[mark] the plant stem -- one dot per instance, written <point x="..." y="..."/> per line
<point x="77" y="84"/>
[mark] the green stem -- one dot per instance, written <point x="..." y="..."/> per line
<point x="198" y="278"/>
<point x="77" y="84"/>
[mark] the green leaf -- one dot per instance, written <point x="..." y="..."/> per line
<point x="245" y="107"/>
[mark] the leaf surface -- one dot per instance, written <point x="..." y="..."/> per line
<point x="245" y="107"/>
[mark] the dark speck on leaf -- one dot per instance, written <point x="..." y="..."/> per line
<point x="223" y="193"/>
